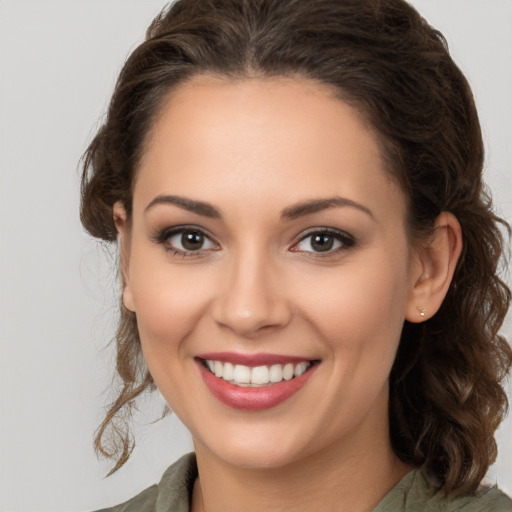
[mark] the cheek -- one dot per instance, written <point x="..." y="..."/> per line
<point x="169" y="302"/>
<point x="169" y="307"/>
<point x="359" y="310"/>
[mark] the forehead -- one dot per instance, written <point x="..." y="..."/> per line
<point x="262" y="138"/>
<point x="213" y="107"/>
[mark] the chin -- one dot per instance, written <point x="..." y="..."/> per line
<point x="263" y="451"/>
<point x="257" y="458"/>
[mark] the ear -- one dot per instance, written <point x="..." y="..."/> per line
<point x="123" y="239"/>
<point x="433" y="269"/>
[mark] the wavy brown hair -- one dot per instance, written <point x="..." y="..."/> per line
<point x="446" y="397"/>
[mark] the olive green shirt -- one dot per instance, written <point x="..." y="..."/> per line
<point x="412" y="494"/>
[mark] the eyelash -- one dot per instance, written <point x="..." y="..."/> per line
<point x="164" y="237"/>
<point x="345" y="240"/>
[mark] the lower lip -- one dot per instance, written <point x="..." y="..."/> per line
<point x="253" y="398"/>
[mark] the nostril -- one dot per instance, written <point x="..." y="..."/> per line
<point x="249" y="300"/>
<point x="255" y="321"/>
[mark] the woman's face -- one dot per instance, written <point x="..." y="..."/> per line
<point x="267" y="241"/>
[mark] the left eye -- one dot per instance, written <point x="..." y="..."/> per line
<point x="324" y="241"/>
<point x="188" y="240"/>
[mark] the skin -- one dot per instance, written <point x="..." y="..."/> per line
<point x="253" y="149"/>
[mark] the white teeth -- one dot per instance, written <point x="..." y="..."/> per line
<point x="260" y="375"/>
<point x="300" y="369"/>
<point x="256" y="376"/>
<point x="229" y="372"/>
<point x="218" y="369"/>
<point x="242" y="374"/>
<point x="288" y="371"/>
<point x="276" y="373"/>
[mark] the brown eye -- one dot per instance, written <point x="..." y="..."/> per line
<point x="322" y="242"/>
<point x="192" y="240"/>
<point x="186" y="241"/>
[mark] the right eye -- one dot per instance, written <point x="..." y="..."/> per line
<point x="186" y="241"/>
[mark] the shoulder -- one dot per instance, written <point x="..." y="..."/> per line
<point x="413" y="494"/>
<point x="171" y="494"/>
<point x="143" y="502"/>
<point x="487" y="499"/>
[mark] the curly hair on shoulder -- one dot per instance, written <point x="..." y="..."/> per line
<point x="382" y="57"/>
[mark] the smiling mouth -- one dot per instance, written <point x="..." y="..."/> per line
<point x="256" y="376"/>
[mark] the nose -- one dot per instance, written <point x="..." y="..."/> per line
<point x="252" y="296"/>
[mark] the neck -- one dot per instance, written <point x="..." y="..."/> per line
<point x="353" y="476"/>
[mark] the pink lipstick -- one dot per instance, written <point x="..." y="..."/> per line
<point x="254" y="381"/>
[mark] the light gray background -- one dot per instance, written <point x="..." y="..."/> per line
<point x="58" y="63"/>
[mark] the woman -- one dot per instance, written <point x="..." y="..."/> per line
<point x="308" y="259"/>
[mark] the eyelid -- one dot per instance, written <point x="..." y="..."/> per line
<point x="345" y="239"/>
<point x="163" y="236"/>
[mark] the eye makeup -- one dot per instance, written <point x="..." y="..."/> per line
<point x="187" y="241"/>
<point x="324" y="242"/>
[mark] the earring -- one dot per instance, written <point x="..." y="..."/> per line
<point x="422" y="311"/>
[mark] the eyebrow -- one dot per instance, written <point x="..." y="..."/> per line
<point x="199" y="207"/>
<point x="292" y="212"/>
<point x="317" y="205"/>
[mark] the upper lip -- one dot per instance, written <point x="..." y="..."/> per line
<point x="260" y="359"/>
